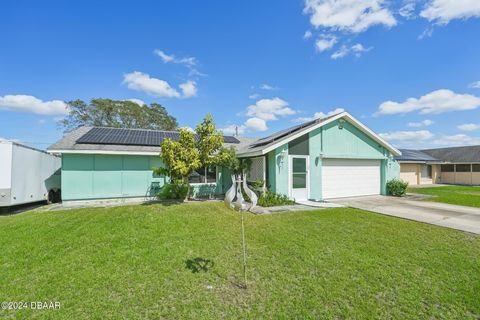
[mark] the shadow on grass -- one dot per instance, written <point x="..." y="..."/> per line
<point x="199" y="264"/>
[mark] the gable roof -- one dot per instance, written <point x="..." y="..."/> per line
<point x="102" y="140"/>
<point x="409" y="155"/>
<point x="267" y="144"/>
<point x="466" y="154"/>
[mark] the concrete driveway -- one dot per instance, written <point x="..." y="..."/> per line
<point x="440" y="214"/>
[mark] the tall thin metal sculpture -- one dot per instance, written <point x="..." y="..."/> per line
<point x="230" y="194"/>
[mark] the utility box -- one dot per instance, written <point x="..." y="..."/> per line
<point x="27" y="174"/>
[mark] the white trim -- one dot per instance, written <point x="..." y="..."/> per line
<point x="141" y="153"/>
<point x="300" y="133"/>
<point x="290" y="172"/>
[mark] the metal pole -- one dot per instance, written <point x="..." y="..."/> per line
<point x="244" y="254"/>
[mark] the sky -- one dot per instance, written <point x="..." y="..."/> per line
<point x="409" y="70"/>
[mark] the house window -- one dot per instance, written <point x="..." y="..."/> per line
<point x="448" y="168"/>
<point x="203" y="175"/>
<point x="475" y="167"/>
<point x="426" y="171"/>
<point x="463" y="168"/>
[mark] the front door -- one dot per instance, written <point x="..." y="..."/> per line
<point x="299" y="177"/>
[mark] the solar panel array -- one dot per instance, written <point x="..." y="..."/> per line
<point x="281" y="134"/>
<point x="133" y="137"/>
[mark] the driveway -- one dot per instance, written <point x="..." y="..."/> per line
<point x="440" y="214"/>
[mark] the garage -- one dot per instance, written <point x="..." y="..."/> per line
<point x="350" y="177"/>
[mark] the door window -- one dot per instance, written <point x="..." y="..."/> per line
<point x="299" y="173"/>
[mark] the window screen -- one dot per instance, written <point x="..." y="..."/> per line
<point x="448" y="168"/>
<point x="463" y="168"/>
<point x="203" y="175"/>
<point x="476" y="167"/>
<point x="299" y="146"/>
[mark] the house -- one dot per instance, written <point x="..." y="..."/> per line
<point x="454" y="165"/>
<point x="417" y="167"/>
<point x="325" y="158"/>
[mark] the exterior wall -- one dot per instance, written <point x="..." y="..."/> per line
<point x="315" y="147"/>
<point x="410" y="172"/>
<point x="435" y="173"/>
<point x="330" y="141"/>
<point x="89" y="176"/>
<point x="448" y="177"/>
<point x="463" y="177"/>
<point x="278" y="170"/>
<point x="476" y="178"/>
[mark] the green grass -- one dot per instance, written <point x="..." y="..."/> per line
<point x="460" y="195"/>
<point x="136" y="262"/>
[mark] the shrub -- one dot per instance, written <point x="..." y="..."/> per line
<point x="396" y="187"/>
<point x="270" y="199"/>
<point x="173" y="190"/>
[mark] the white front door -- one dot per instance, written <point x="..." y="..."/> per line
<point x="299" y="179"/>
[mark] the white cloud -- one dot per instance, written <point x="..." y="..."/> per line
<point x="167" y="58"/>
<point x="408" y="9"/>
<point x="356" y="49"/>
<point x="325" y="42"/>
<point x="435" y="102"/>
<point x="268" y="87"/>
<point x="256" y="124"/>
<point x="188" y="128"/>
<point x="307" y="35"/>
<point x="348" y="15"/>
<point x="31" y="104"/>
<point x="155" y="87"/>
<point x="137" y="101"/>
<point x="270" y="109"/>
<point x="41" y="122"/>
<point x="189" y="89"/>
<point x="319" y="115"/>
<point x="475" y="85"/>
<point x="443" y="11"/>
<point x="457" y="140"/>
<point x="254" y="96"/>
<point x="233" y="129"/>
<point x="407" y="136"/>
<point x="469" y="127"/>
<point x="424" y="123"/>
<point x="12" y="140"/>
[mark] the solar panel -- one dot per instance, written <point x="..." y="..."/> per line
<point x="136" y="137"/>
<point x="282" y="133"/>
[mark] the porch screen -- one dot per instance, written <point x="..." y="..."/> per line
<point x="257" y="169"/>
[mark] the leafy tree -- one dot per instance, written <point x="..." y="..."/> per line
<point x="193" y="151"/>
<point x="117" y="114"/>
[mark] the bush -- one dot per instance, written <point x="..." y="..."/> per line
<point x="396" y="187"/>
<point x="270" y="199"/>
<point x="172" y="191"/>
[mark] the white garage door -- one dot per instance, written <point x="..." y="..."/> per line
<point x="350" y="178"/>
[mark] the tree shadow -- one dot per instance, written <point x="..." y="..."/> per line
<point x="199" y="264"/>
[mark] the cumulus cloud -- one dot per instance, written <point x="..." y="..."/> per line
<point x="140" y="81"/>
<point x="307" y="35"/>
<point x="348" y="15"/>
<point x="31" y="104"/>
<point x="254" y="96"/>
<point x="435" y="102"/>
<point x="268" y="87"/>
<point x="475" y="85"/>
<point x="189" y="89"/>
<point x="408" y="9"/>
<point x="319" y="115"/>
<point x="443" y="11"/>
<point x="457" y="140"/>
<point x="469" y="127"/>
<point x="137" y="101"/>
<point x="423" y="123"/>
<point x="270" y="109"/>
<point x="356" y="49"/>
<point x="407" y="136"/>
<point x="256" y="124"/>
<point x="325" y="42"/>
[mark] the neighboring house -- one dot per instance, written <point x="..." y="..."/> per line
<point x="455" y="165"/>
<point x="325" y="158"/>
<point x="417" y="167"/>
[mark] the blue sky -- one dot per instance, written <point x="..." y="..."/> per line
<point x="409" y="70"/>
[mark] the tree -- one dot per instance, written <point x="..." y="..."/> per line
<point x="180" y="158"/>
<point x="117" y="114"/>
<point x="191" y="152"/>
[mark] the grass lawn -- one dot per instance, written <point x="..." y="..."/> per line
<point x="460" y="195"/>
<point x="140" y="262"/>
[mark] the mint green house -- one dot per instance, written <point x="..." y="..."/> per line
<point x="323" y="159"/>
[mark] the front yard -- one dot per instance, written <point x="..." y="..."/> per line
<point x="145" y="262"/>
<point x="459" y="195"/>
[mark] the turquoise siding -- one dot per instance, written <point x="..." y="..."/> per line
<point x="330" y="141"/>
<point x="315" y="147"/>
<point x="88" y="176"/>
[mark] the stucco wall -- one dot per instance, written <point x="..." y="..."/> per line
<point x="410" y="172"/>
<point x="315" y="149"/>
